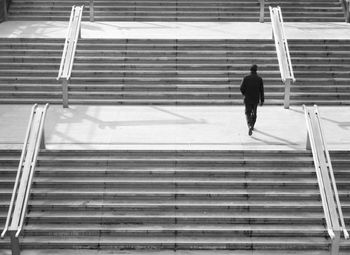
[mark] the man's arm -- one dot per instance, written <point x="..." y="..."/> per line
<point x="243" y="87"/>
<point x="262" y="96"/>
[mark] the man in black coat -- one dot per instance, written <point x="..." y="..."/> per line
<point x="252" y="89"/>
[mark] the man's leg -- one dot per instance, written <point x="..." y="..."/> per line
<point x="254" y="115"/>
<point x="248" y="114"/>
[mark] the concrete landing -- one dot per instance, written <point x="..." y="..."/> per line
<point x="175" y="30"/>
<point x="173" y="127"/>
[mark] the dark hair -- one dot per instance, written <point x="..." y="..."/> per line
<point x="254" y="68"/>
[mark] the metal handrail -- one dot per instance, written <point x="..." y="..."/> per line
<point x="281" y="40"/>
<point x="66" y="43"/>
<point x="320" y="183"/>
<point x="70" y="45"/>
<point x="75" y="43"/>
<point x="286" y="47"/>
<point x="19" y="170"/>
<point x="331" y="173"/>
<point x="33" y="165"/>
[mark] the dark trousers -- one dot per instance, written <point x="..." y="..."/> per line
<point x="250" y="113"/>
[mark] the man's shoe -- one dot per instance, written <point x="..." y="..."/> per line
<point x="250" y="131"/>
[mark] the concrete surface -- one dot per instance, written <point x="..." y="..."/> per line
<point x="173" y="127"/>
<point x="175" y="30"/>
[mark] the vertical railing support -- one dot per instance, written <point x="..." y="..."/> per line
<point x="92" y="18"/>
<point x="347" y="5"/>
<point x="43" y="142"/>
<point x="287" y="93"/>
<point x="5" y="10"/>
<point x="79" y="32"/>
<point x="65" y="92"/>
<point x="14" y="243"/>
<point x="335" y="242"/>
<point x="262" y="11"/>
<point x="308" y="144"/>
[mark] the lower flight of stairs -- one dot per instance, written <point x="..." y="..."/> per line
<point x="183" y="72"/>
<point x="179" y="10"/>
<point x="176" y="200"/>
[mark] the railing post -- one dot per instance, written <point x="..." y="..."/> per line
<point x="65" y="92"/>
<point x="287" y="93"/>
<point x="42" y="142"/>
<point x="335" y="243"/>
<point x="262" y="11"/>
<point x="347" y="7"/>
<point x="5" y="10"/>
<point x="79" y="33"/>
<point x="92" y="18"/>
<point x="14" y="243"/>
<point x="308" y="144"/>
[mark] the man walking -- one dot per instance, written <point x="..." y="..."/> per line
<point x="252" y="89"/>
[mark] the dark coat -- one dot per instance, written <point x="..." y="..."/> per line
<point x="252" y="88"/>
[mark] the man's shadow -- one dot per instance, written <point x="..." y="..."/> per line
<point x="282" y="141"/>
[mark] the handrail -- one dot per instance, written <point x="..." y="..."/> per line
<point x="326" y="180"/>
<point x="281" y="43"/>
<point x="331" y="173"/>
<point x="286" y="47"/>
<point x="33" y="165"/>
<point x="319" y="177"/>
<point x="66" y="43"/>
<point x="346" y="8"/>
<point x="77" y="35"/>
<point x="65" y="71"/>
<point x="19" y="170"/>
<point x="73" y="34"/>
<point x="20" y="196"/>
<point x="282" y="50"/>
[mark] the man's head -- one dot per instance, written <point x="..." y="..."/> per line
<point x="253" y="68"/>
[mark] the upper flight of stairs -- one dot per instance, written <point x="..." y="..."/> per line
<point x="185" y="72"/>
<point x="321" y="68"/>
<point x="176" y="200"/>
<point x="178" y="10"/>
<point x="308" y="10"/>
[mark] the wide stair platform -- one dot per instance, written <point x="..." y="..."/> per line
<point x="178" y="10"/>
<point x="184" y="72"/>
<point x="176" y="201"/>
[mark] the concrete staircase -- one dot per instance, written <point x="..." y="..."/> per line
<point x="9" y="160"/>
<point x="341" y="167"/>
<point x="177" y="200"/>
<point x="308" y="10"/>
<point x="321" y="69"/>
<point x="178" y="10"/>
<point x="185" y="72"/>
